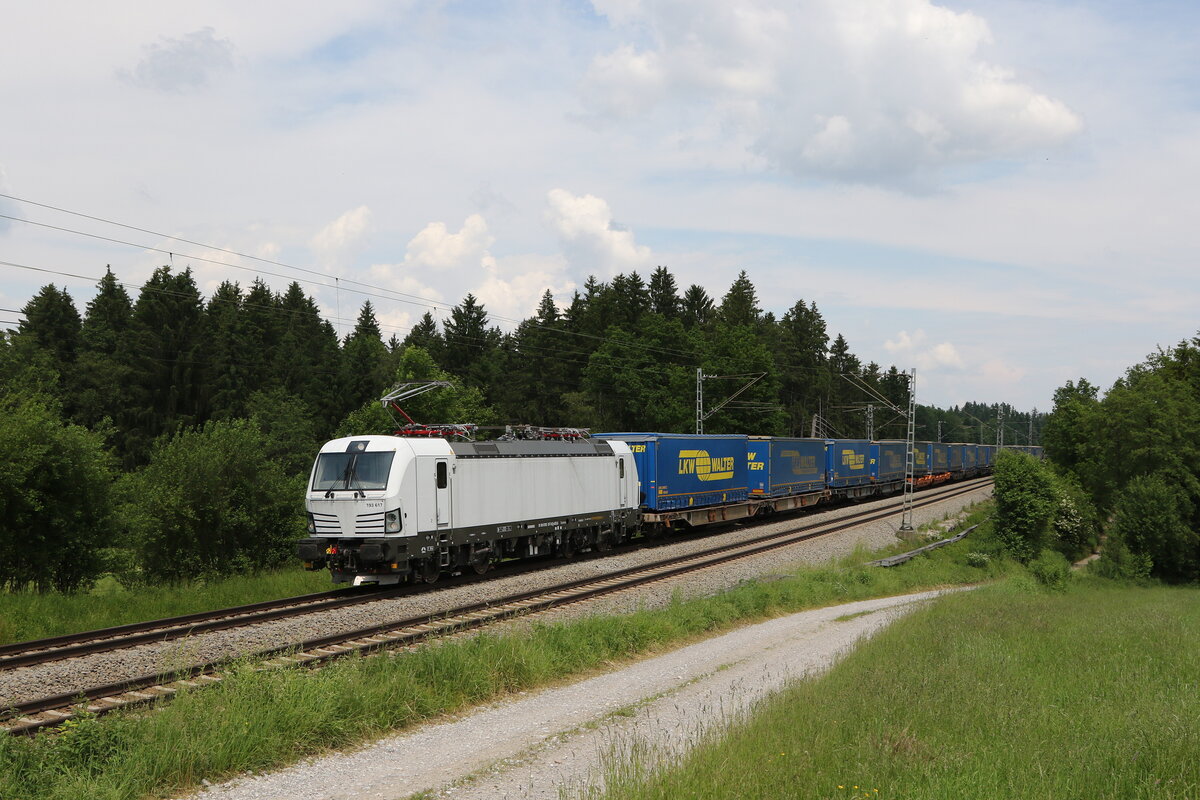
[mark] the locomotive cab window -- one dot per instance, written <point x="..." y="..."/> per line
<point x="441" y="475"/>
<point x="362" y="471"/>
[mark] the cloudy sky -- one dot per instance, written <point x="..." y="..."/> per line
<point x="999" y="193"/>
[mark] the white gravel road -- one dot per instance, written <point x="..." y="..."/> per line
<point x="556" y="742"/>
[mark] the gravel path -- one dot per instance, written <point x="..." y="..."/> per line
<point x="73" y="675"/>
<point x="560" y="741"/>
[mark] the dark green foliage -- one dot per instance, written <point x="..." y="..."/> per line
<point x="634" y="385"/>
<point x="55" y="506"/>
<point x="1067" y="427"/>
<point x="1025" y="504"/>
<point x="364" y="361"/>
<point x="288" y="428"/>
<point x="52" y="321"/>
<point x="210" y="502"/>
<point x="740" y="304"/>
<point x="425" y="334"/>
<point x="1137" y="453"/>
<point x="166" y="340"/>
<point x="103" y="372"/>
<point x="1151" y="517"/>
<point x="472" y="346"/>
<point x="664" y="293"/>
<point x="698" y="309"/>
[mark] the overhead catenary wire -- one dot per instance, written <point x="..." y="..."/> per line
<point x="391" y="294"/>
<point x="400" y="296"/>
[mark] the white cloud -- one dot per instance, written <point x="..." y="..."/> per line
<point x="338" y="239"/>
<point x="593" y="242"/>
<point x="181" y="65"/>
<point x="887" y="91"/>
<point x="913" y="350"/>
<point x="512" y="287"/>
<point x="436" y="248"/>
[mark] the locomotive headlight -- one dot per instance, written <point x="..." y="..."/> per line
<point x="391" y="521"/>
<point x="312" y="524"/>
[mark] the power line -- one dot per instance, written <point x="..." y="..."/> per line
<point x="402" y="296"/>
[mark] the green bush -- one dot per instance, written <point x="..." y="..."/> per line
<point x="210" y="502"/>
<point x="55" y="507"/>
<point x="1025" y="504"/>
<point x="1051" y="570"/>
<point x="977" y="559"/>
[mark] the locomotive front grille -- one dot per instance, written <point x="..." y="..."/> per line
<point x="364" y="525"/>
<point x="369" y="524"/>
<point x="327" y="524"/>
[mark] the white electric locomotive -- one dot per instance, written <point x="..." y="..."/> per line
<point x="384" y="509"/>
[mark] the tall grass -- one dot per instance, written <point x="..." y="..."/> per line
<point x="29" y="615"/>
<point x="257" y="719"/>
<point x="1006" y="692"/>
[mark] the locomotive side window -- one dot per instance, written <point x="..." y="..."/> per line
<point x="621" y="467"/>
<point x="441" y="475"/>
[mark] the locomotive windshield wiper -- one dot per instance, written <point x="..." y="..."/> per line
<point x="351" y="474"/>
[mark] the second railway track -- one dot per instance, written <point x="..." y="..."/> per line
<point x="53" y="710"/>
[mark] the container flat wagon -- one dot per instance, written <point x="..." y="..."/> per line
<point x="689" y="478"/>
<point x="786" y="473"/>
<point x="888" y="465"/>
<point x="847" y="467"/>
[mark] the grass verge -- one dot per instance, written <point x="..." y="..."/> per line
<point x="255" y="720"/>
<point x="1003" y="692"/>
<point x="28" y="615"/>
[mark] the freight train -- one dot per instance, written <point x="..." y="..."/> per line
<point x="389" y="509"/>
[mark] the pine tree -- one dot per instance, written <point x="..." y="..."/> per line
<point x="698" y="309"/>
<point x="103" y="370"/>
<point x="472" y="348"/>
<point x="364" y="361"/>
<point x="229" y="351"/>
<point x="664" y="293"/>
<point x="167" y="356"/>
<point x="52" y="324"/>
<point x="425" y="334"/>
<point x="740" y="304"/>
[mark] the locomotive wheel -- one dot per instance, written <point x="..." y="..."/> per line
<point x="430" y="571"/>
<point x="604" y="541"/>
<point x="481" y="564"/>
<point x="568" y="546"/>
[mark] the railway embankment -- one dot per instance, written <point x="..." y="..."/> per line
<point x="255" y="720"/>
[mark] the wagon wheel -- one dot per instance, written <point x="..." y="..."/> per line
<point x="481" y="562"/>
<point x="569" y="546"/>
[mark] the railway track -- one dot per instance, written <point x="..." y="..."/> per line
<point x="45" y="712"/>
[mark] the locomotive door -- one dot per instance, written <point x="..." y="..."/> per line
<point x="624" y="484"/>
<point x="442" y="490"/>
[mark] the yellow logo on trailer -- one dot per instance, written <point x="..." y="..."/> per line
<point x="637" y="448"/>
<point x="704" y="466"/>
<point x="853" y="460"/>
<point x="801" y="465"/>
